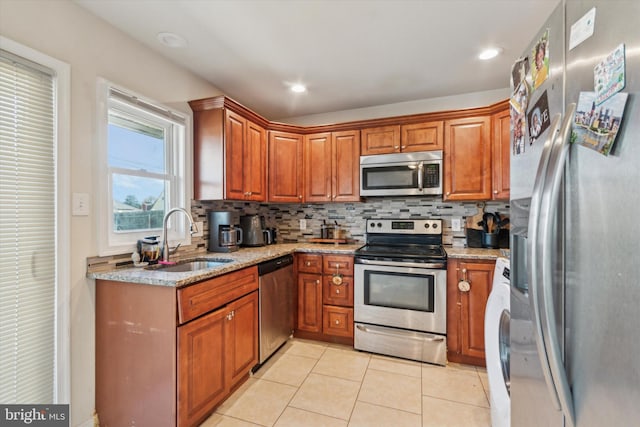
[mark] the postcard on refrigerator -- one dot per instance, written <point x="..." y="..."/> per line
<point x="608" y="75"/>
<point x="596" y="126"/>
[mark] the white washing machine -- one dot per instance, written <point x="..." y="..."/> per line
<point x="496" y="337"/>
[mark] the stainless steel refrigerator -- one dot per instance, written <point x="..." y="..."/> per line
<point x="575" y="236"/>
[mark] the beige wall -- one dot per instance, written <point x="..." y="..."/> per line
<point x="65" y="31"/>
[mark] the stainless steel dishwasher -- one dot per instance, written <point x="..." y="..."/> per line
<point x="276" y="304"/>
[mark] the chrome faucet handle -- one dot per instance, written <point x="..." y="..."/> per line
<point x="174" y="250"/>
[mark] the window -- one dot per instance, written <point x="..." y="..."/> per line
<point x="143" y="163"/>
<point x="34" y="227"/>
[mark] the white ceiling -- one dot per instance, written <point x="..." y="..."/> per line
<point x="350" y="53"/>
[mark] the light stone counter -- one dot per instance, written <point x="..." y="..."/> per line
<point x="476" y="253"/>
<point x="242" y="258"/>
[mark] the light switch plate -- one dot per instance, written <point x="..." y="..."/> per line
<point x="303" y="224"/>
<point x="455" y="224"/>
<point x="80" y="204"/>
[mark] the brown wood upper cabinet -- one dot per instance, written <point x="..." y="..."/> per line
<point x="229" y="156"/>
<point x="285" y="167"/>
<point x="402" y="138"/>
<point x="331" y="164"/>
<point x="501" y="155"/>
<point x="467" y="159"/>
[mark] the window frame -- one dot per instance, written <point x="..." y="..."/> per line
<point x="178" y="193"/>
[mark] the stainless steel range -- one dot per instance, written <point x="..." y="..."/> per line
<point x="400" y="290"/>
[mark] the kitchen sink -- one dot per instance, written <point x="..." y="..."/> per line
<point x="190" y="265"/>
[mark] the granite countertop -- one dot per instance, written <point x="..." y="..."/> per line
<point x="246" y="257"/>
<point x="242" y="258"/>
<point x="476" y="253"/>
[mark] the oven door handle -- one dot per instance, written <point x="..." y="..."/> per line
<point x="428" y="265"/>
<point x="428" y="337"/>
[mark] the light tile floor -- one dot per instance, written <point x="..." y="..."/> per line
<point x="313" y="384"/>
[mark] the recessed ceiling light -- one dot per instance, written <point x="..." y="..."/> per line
<point x="298" y="88"/>
<point x="172" y="40"/>
<point x="490" y="53"/>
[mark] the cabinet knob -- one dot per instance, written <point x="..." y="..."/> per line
<point x="308" y="263"/>
<point x="396" y="146"/>
<point x="300" y="197"/>
<point x="317" y="282"/>
<point x="495" y="191"/>
<point x="338" y="291"/>
<point x="404" y="146"/>
<point x="448" y="193"/>
<point x="337" y="322"/>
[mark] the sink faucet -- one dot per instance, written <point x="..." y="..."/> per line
<point x="165" y="244"/>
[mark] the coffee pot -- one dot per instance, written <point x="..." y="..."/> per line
<point x="225" y="234"/>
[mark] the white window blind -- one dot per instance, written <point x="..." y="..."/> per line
<point x="27" y="232"/>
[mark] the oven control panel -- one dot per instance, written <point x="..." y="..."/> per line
<point x="405" y="226"/>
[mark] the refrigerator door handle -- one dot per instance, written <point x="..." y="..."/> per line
<point x="534" y="260"/>
<point x="549" y="212"/>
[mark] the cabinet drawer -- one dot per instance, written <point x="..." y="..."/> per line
<point x="309" y="263"/>
<point x="337" y="321"/>
<point x="342" y="264"/>
<point x="198" y="299"/>
<point x="337" y="294"/>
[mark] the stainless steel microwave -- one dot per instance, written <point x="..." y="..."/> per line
<point x="402" y="174"/>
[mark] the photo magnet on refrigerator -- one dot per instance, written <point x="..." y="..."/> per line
<point x="608" y="75"/>
<point x="538" y="118"/>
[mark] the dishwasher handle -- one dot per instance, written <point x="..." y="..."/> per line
<point x="274" y="264"/>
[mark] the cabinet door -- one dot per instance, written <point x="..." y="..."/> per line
<point x="422" y="136"/>
<point x="285" y="164"/>
<point x="467" y="159"/>
<point x="472" y="304"/>
<point x="310" y="302"/>
<point x="345" y="166"/>
<point x="201" y="366"/>
<point x="235" y="131"/>
<point x="317" y="167"/>
<point x="501" y="155"/>
<point x="255" y="163"/>
<point x="380" y="140"/>
<point x="242" y="337"/>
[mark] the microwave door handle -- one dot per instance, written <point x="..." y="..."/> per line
<point x="420" y="176"/>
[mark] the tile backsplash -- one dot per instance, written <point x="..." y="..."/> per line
<point x="351" y="216"/>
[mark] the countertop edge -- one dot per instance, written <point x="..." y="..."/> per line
<point x="247" y="257"/>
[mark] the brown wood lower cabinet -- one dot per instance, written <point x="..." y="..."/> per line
<point x="325" y="297"/>
<point x="167" y="356"/>
<point x="465" y="309"/>
<point x="215" y="352"/>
